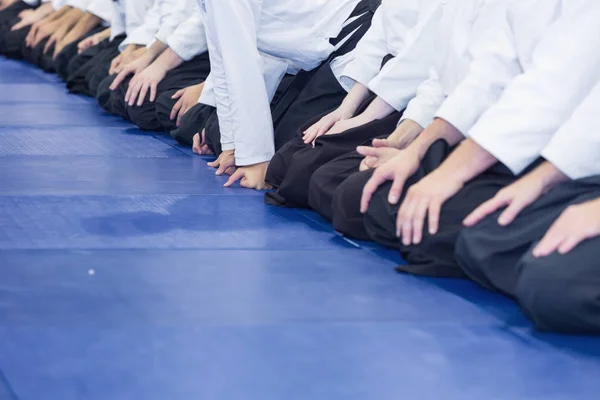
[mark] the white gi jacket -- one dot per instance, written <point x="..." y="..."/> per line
<point x="407" y="30"/>
<point x="252" y="44"/>
<point x="144" y="34"/>
<point x="103" y="9"/>
<point x="58" y="4"/>
<point x="575" y="148"/>
<point x="488" y="43"/>
<point x="565" y="66"/>
<point x="189" y="39"/>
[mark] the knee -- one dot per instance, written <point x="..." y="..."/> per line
<point x="279" y="164"/>
<point x="556" y="299"/>
<point x="144" y="116"/>
<point x="320" y="199"/>
<point x="345" y="205"/>
<point x="103" y="93"/>
<point x="473" y="254"/>
<point x="380" y="218"/>
<point x="164" y="106"/>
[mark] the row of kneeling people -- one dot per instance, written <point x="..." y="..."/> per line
<point x="460" y="132"/>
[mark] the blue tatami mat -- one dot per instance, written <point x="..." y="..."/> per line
<point x="127" y="271"/>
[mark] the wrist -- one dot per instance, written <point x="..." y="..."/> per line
<point x="549" y="175"/>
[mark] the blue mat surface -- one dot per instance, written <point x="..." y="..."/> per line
<point x="128" y="272"/>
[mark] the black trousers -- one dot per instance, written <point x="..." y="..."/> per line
<point x="293" y="166"/>
<point x="12" y="12"/>
<point x="84" y="68"/>
<point x="559" y="292"/>
<point x="35" y="55"/>
<point x="192" y="122"/>
<point x="69" y="52"/>
<point x="12" y="41"/>
<point x="187" y="74"/>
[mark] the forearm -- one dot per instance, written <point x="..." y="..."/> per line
<point x="378" y="109"/>
<point x="439" y="129"/>
<point x="155" y="50"/>
<point x="105" y="34"/>
<point x="45" y="10"/>
<point x="168" y="60"/>
<point x="358" y="94"/>
<point x="86" y="23"/>
<point x="467" y="161"/>
<point x="549" y="175"/>
<point x="70" y="19"/>
<point x="56" y="15"/>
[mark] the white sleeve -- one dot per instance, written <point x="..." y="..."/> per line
<point x="399" y="79"/>
<point x="117" y="20"/>
<point x="575" y="148"/>
<point x="368" y="54"/>
<point x="189" y="39"/>
<point x="101" y="9"/>
<point x="237" y="69"/>
<point x="81" y="4"/>
<point x="208" y="92"/>
<point x="32" y="2"/>
<point x="58" y="4"/>
<point x="495" y="64"/>
<point x="143" y="34"/>
<point x="565" y="67"/>
<point x="172" y="14"/>
<point x="430" y="96"/>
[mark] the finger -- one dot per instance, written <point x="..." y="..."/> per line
<point x="142" y="97"/>
<point x="247" y="184"/>
<point x="206" y="151"/>
<point x="364" y="165"/>
<point x="48" y="44"/>
<point x="236" y="176"/>
<point x="214" y="164"/>
<point x="368" y="151"/>
<point x="396" y="190"/>
<point x="153" y="86"/>
<point x="196" y="147"/>
<point x="433" y="219"/>
<point x="549" y="243"/>
<point x="310" y="135"/>
<point x="405" y="219"/>
<point x="485" y="209"/>
<point x="370" y="188"/>
<point x="379" y="143"/>
<point x="131" y="91"/>
<point x="419" y="221"/>
<point x="119" y="79"/>
<point x="175" y="109"/>
<point x="511" y="212"/>
<point x="230" y="171"/>
<point x="178" y="94"/>
<point x="570" y="243"/>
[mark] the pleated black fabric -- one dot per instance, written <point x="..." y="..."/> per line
<point x="94" y="61"/>
<point x="192" y="122"/>
<point x="12" y="12"/>
<point x="305" y="159"/>
<point x="558" y="292"/>
<point x="12" y="41"/>
<point x="69" y="52"/>
<point x="187" y="74"/>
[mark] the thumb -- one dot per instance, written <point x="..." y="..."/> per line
<point x="368" y="151"/>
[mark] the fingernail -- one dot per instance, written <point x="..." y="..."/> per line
<point x="393" y="199"/>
